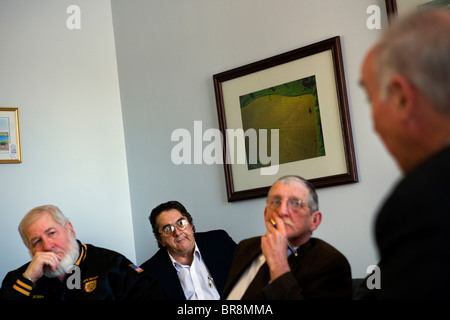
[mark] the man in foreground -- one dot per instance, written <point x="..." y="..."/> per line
<point x="406" y="76"/>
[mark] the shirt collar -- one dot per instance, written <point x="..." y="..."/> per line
<point x="83" y="253"/>
<point x="178" y="265"/>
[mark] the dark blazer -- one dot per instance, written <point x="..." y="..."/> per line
<point x="217" y="249"/>
<point x="319" y="271"/>
<point x="412" y="232"/>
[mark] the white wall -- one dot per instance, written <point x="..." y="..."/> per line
<point x="65" y="84"/>
<point x="73" y="135"/>
<point x="167" y="52"/>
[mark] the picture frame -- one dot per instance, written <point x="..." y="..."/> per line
<point x="10" y="146"/>
<point x="337" y="163"/>
<point x="399" y="8"/>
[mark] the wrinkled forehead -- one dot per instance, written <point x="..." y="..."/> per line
<point x="288" y="189"/>
<point x="40" y="225"/>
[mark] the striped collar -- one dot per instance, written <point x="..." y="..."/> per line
<point x="83" y="253"/>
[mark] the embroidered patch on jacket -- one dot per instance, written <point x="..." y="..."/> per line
<point x="90" y="286"/>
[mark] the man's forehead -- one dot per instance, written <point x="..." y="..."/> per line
<point x="44" y="218"/>
<point x="42" y="224"/>
<point x="169" y="215"/>
<point x="288" y="188"/>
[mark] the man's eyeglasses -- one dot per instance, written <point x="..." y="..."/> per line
<point x="292" y="203"/>
<point x="181" y="225"/>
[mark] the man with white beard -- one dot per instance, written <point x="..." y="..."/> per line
<point x="58" y="258"/>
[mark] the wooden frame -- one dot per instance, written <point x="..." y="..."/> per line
<point x="321" y="60"/>
<point x="396" y="8"/>
<point x="10" y="148"/>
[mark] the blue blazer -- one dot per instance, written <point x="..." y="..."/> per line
<point x="217" y="249"/>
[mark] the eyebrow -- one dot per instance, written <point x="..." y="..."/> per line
<point x="45" y="232"/>
<point x="276" y="197"/>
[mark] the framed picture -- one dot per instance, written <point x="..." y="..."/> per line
<point x="286" y="114"/>
<point x="10" y="149"/>
<point x="402" y="7"/>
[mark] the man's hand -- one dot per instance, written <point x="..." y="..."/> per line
<point x="274" y="246"/>
<point x="35" y="269"/>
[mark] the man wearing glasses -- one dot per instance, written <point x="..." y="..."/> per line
<point x="189" y="265"/>
<point x="287" y="263"/>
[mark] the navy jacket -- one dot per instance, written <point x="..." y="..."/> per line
<point x="217" y="249"/>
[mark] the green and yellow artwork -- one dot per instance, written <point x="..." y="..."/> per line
<point x="293" y="109"/>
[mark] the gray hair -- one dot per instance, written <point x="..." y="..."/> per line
<point x="418" y="48"/>
<point x="36" y="213"/>
<point x="313" y="198"/>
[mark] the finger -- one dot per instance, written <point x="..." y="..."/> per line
<point x="48" y="258"/>
<point x="269" y="225"/>
<point x="54" y="262"/>
<point x="35" y="269"/>
<point x="272" y="225"/>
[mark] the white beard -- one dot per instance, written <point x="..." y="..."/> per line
<point x="66" y="263"/>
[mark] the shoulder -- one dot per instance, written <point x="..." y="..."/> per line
<point x="103" y="258"/>
<point x="99" y="251"/>
<point x="324" y="251"/>
<point x="431" y="174"/>
<point x="211" y="234"/>
<point x="250" y="241"/>
<point x="321" y="245"/>
<point x="157" y="261"/>
<point x="211" y="241"/>
<point x="251" y="244"/>
<point x="424" y="189"/>
<point x="213" y="238"/>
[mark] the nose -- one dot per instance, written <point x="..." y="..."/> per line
<point x="176" y="232"/>
<point x="47" y="244"/>
<point x="283" y="210"/>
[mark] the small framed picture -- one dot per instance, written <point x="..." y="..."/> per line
<point x="10" y="149"/>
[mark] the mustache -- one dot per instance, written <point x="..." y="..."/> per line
<point x="58" y="251"/>
<point x="289" y="223"/>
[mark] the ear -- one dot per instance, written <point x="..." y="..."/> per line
<point x="160" y="242"/>
<point x="316" y="220"/>
<point x="69" y="227"/>
<point x="402" y="95"/>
